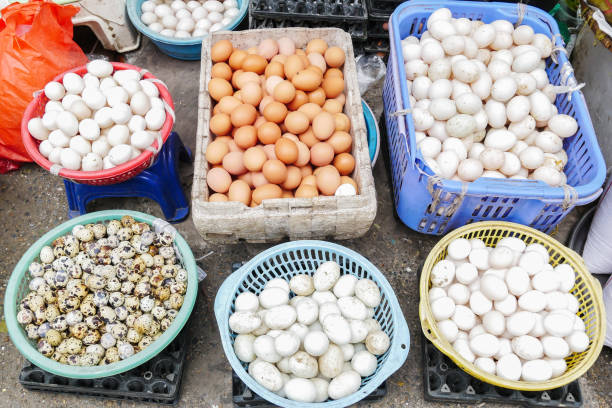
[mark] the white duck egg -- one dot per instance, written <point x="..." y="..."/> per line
<point x="523" y="128"/>
<point x="442" y="108"/>
<point x="512" y="164"/>
<point x="484" y="35"/>
<point x="549" y="142"/>
<point x="459" y="249"/>
<point x="70" y="159"/>
<point x="448" y="161"/>
<point x="439" y="69"/>
<point x="543" y="43"/>
<point x="94" y="98"/>
<point x="436" y="293"/>
<point x="466" y="273"/>
<point x="548" y="175"/>
<point x="443" y="308"/>
<point x="148" y="17"/>
<point x="464" y="317"/>
<point x="118" y="135"/>
<point x="536" y="370"/>
<point x="520" y="323"/>
<point x="420" y="87"/>
<point x="506" y="306"/>
<point x="142" y="139"/>
<point x="440" y="88"/>
<point x="92" y="162"/>
<point x="449" y="330"/>
<point x="470" y="169"/>
<point x="578" y="341"/>
<point x="45" y="148"/>
<point x="455" y="145"/>
<point x="120" y="154"/>
<point x="484" y="345"/>
<point x="80" y="145"/>
<point x="532" y="157"/>
<point x="67" y="123"/>
<point x="533" y="301"/>
<point x="443" y="273"/>
<point x="500" y="139"/>
<point x="465" y="71"/>
<point x="563" y="125"/>
<point x="479" y="303"/>
<point x="492" y="159"/>
<point x="496" y="113"/>
<point x="414" y="69"/>
<point x="459" y="293"/>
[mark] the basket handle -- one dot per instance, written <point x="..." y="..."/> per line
<point x="425" y="325"/>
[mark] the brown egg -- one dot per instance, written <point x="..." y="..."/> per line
<point x="303" y="154"/>
<point x="293" y="65"/>
<point x="345" y="163"/>
<point x="297" y="122"/>
<point x="315" y="69"/>
<point x="270" y="153"/>
<point x="317" y="45"/>
<point x="274" y="171"/>
<point x="340" y="141"/>
<point x="220" y="124"/>
<point x="294" y="177"/>
<point x="317" y="96"/>
<point x="317" y="60"/>
<point x="218" y="88"/>
<point x="275" y="68"/>
<point x="306" y="191"/>
<point x="341" y="99"/>
<point x="218" y="179"/>
<point x="268" y="48"/>
<point x="221" y="70"/>
<point x="308" y="138"/>
<point x="343" y="123"/>
<point x="217" y="198"/>
<point x="309" y="179"/>
<point x="233" y="162"/>
<point x="348" y="180"/>
<point x="227" y="104"/>
<point x="310" y="109"/>
<point x="264" y="102"/>
<point x="259" y="179"/>
<point x="283" y="128"/>
<point x="237" y="58"/>
<point x="224" y="139"/>
<point x="216" y="109"/>
<point x="334" y="72"/>
<point x="333" y="86"/>
<point x="252" y="50"/>
<point x="252" y="93"/>
<point x="238" y="95"/>
<point x="287" y="194"/>
<point x="328" y="180"/>
<point x="243" y="115"/>
<point x="233" y="147"/>
<point x="321" y="154"/>
<point x="266" y="192"/>
<point x="334" y="56"/>
<point x="254" y="63"/>
<point x="291" y="136"/>
<point x="221" y="51"/>
<point x="307" y="80"/>
<point x="323" y="125"/>
<point x="259" y="121"/>
<point x="246" y="77"/>
<point x="279" y="58"/>
<point x="286" y="150"/>
<point x="299" y="100"/>
<point x="247" y="178"/>
<point x="254" y="158"/>
<point x="245" y="136"/>
<point x="304" y="59"/>
<point x="306" y="170"/>
<point x="215" y="151"/>
<point x="275" y="112"/>
<point x="332" y="106"/>
<point x="235" y="77"/>
<point x="268" y="133"/>
<point x="284" y="92"/>
<point x="271" y="82"/>
<point x="239" y="191"/>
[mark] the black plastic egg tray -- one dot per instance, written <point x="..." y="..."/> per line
<point x="242" y="396"/>
<point x="382" y="8"/>
<point x="156" y="381"/>
<point x="346" y="10"/>
<point x="443" y="381"/>
<point x="357" y="29"/>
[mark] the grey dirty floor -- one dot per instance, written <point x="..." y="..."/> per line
<point x="32" y="201"/>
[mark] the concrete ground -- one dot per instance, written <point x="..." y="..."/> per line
<point x="32" y="202"/>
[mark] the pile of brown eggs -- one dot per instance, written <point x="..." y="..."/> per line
<point x="278" y="126"/>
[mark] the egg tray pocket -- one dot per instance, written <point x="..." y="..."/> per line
<point x="346" y="10"/>
<point x="444" y="382"/>
<point x="357" y="29"/>
<point x="156" y="381"/>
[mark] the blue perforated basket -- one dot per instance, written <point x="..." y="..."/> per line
<point x="438" y="208"/>
<point x="299" y="257"/>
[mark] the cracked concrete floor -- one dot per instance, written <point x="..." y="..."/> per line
<point x="32" y="202"/>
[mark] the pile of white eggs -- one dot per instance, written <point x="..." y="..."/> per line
<point x="481" y="100"/>
<point x="179" y="19"/>
<point x="100" y="120"/>
<point x="506" y="309"/>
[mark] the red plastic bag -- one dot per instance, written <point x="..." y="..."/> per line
<point x="35" y="45"/>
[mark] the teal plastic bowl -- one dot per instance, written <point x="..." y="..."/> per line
<point x="17" y="288"/>
<point x="185" y="49"/>
<point x="373" y="132"/>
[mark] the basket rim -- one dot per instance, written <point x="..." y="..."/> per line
<point x="31" y="144"/>
<point x="529" y="189"/>
<point x="436" y="338"/>
<point x="23" y="343"/>
<point x="398" y="351"/>
<point x="134" y="12"/>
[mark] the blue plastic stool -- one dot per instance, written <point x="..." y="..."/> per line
<point x="160" y="182"/>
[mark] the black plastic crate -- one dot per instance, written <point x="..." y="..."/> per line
<point x="444" y="381"/>
<point x="357" y="29"/>
<point x="378" y="27"/>
<point x="322" y="10"/>
<point x="242" y="396"/>
<point x="156" y="381"/>
<point x="382" y="8"/>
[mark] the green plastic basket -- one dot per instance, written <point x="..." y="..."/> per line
<point x="17" y="288"/>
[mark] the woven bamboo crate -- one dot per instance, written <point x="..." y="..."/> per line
<point x="296" y="218"/>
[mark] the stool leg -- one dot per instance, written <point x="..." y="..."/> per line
<point x="167" y="192"/>
<point x="77" y="205"/>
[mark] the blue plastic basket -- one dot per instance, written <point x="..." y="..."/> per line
<point x="185" y="49"/>
<point x="298" y="257"/>
<point x="437" y="207"/>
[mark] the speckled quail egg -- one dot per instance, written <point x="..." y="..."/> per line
<point x="32" y="331"/>
<point x="46" y="254"/>
<point x="94" y="322"/>
<point x="107" y="340"/>
<point x="159" y="312"/>
<point x="124" y="234"/>
<point x="35" y="283"/>
<point x="77" y="288"/>
<point x="113" y="285"/>
<point x="39" y="316"/>
<point x="58" y="251"/>
<point x="107" y="314"/>
<point x="53" y="337"/>
<point x="145" y="342"/>
<point x="84" y="235"/>
<point x="181" y="275"/>
<point x="171" y="314"/>
<point x="89" y="360"/>
<point x="100" y="298"/>
<point x="147" y="303"/>
<point x="125" y="350"/>
<point x="121" y="312"/>
<point x="25" y="316"/>
<point x="35" y="269"/>
<point x="91" y="337"/>
<point x="119" y="331"/>
<point x="163" y="294"/>
<point x="127" y="287"/>
<point x="115" y="299"/>
<point x="133" y="336"/>
<point x="73" y="317"/>
<point x="147" y="259"/>
<point x="73" y="345"/>
<point x="158" y="260"/>
<point x="74" y="360"/>
<point x="176" y="301"/>
<point x="131" y="319"/>
<point x="59" y="323"/>
<point x="113" y="226"/>
<point x="94" y="282"/>
<point x="143" y="323"/>
<point x="142" y="289"/>
<point x="88" y="308"/>
<point x="51" y="313"/>
<point x="79" y="330"/>
<point x="68" y="303"/>
<point x="112" y="241"/>
<point x="45" y="348"/>
<point x="57" y="356"/>
<point x="147" y="237"/>
<point x="95" y="349"/>
<point x="111" y="356"/>
<point x="132" y="303"/>
<point x="178" y="287"/>
<point x="166" y="252"/>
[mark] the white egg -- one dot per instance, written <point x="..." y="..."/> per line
<point x="523" y="128"/>
<point x="135" y="153"/>
<point x="442" y="308"/>
<point x="512" y="164"/>
<point x="198" y="33"/>
<point x="439" y="14"/>
<point x="147" y="6"/>
<point x="94" y="98"/>
<point x="178" y="5"/>
<point x="492" y="159"/>
<point x="155" y="118"/>
<point x="90" y="81"/>
<point x="80" y="145"/>
<point x="448" y="162"/>
<point x="121" y="113"/>
<point x="193" y="4"/>
<point x="120" y="154"/>
<point x="466" y="273"/>
<point x="459" y="293"/>
<point x="440" y="88"/>
<point x="55" y="155"/>
<point x="436" y="293"/>
<point x="69" y="99"/>
<point x="49" y="119"/>
<point x="465" y="71"/>
<point x="496" y="113"/>
<point x="167" y="32"/>
<point x="440" y="29"/>
<point x="541" y="108"/>
<point x="536" y="370"/>
<point x="543" y="43"/>
<point x="484" y="345"/>
<point x="92" y="162"/>
<point x="215" y="17"/>
<point x="493" y="287"/>
<point x="459" y="249"/>
<point x="156" y="28"/>
<point x="498" y="69"/>
<point x="549" y="142"/>
<point x="101" y="147"/>
<point x="558" y="366"/>
<point x="449" y="330"/>
<point x="545" y="281"/>
<point x="413" y="68"/>
<point x="54" y="91"/>
<point x="520" y="323"/>
<point x="567" y="277"/>
<point x="548" y="175"/>
<point x="169" y="21"/>
<point x="70" y="159"/>
<point x="80" y="109"/>
<point x="108" y="164"/>
<point x="58" y="138"/>
<point x="37" y="129"/>
<point x="118" y="135"/>
<point x="67" y="123"/>
<point x="45" y="148"/>
<point x="470" y="169"/>
<point x="73" y="83"/>
<point x="494" y="322"/>
<point x="142" y="139"/>
<point x="443" y="273"/>
<point x="148" y="17"/>
<point x="163" y="10"/>
<point x="103" y="117"/>
<point x="563" y="125"/>
<point x="506" y="306"/>
<point x="116" y="95"/>
<point x="526" y="62"/>
<point x="499" y="139"/>
<point x="462" y="347"/>
<point x="186" y="24"/>
<point x="53" y="106"/>
<point x="479" y="303"/>
<point x="578" y="341"/>
<point x="532" y="157"/>
<point x="137" y="123"/>
<point x="100" y="68"/>
<point x="533" y="301"/>
<point x="442" y="108"/>
<point x="464" y="317"/>
<point x="149" y="88"/>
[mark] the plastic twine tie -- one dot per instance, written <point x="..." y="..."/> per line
<point x="570" y="196"/>
<point x="521" y="10"/>
<point x="458" y="200"/>
<point x="568" y="81"/>
<point x="402" y="112"/>
<point x="558" y="47"/>
<point x="55" y="169"/>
